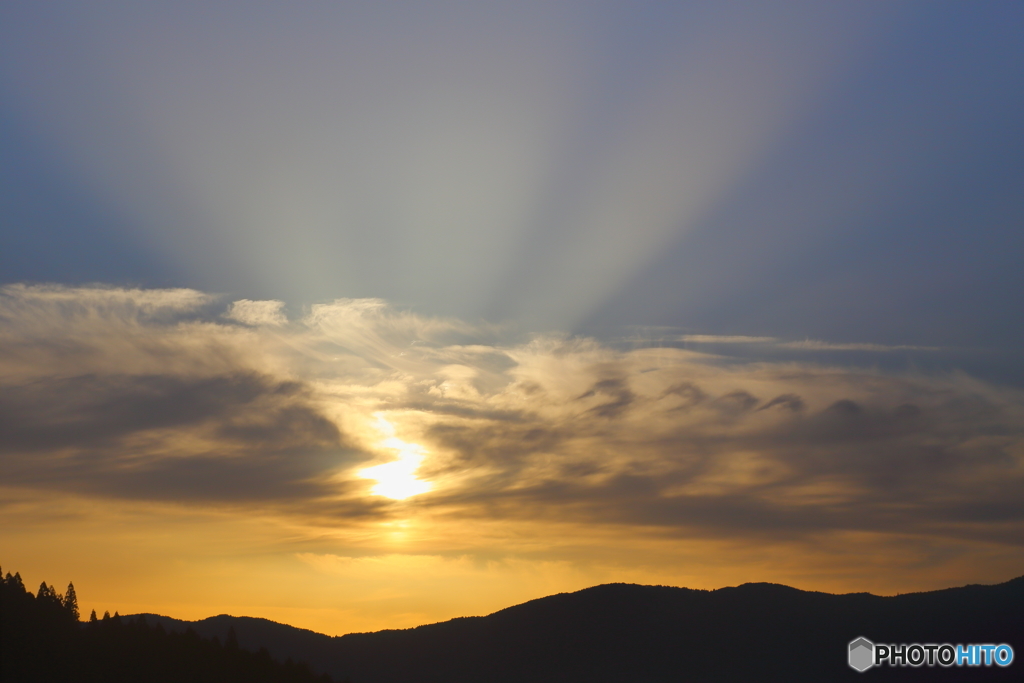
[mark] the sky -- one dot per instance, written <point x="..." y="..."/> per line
<point x="366" y="315"/>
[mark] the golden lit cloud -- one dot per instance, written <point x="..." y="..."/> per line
<point x="257" y="312"/>
<point x="397" y="479"/>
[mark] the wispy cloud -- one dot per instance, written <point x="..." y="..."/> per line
<point x="775" y="342"/>
<point x="818" y="345"/>
<point x="725" y="339"/>
<point x="667" y="336"/>
<point x="257" y="312"/>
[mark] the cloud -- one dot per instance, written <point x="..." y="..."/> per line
<point x="225" y="437"/>
<point x="72" y="302"/>
<point x="257" y="312"/>
<point x="131" y="394"/>
<point x="668" y="336"/>
<point x="789" y="401"/>
<point x="724" y="339"/>
<point x="818" y="345"/>
<point x="144" y="395"/>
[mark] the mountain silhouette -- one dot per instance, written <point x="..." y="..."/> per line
<point x="282" y="641"/>
<point x="43" y="640"/>
<point x="621" y="632"/>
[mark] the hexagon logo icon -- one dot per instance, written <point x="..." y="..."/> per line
<point x="862" y="654"/>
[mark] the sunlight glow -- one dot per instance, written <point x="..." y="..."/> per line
<point x="397" y="480"/>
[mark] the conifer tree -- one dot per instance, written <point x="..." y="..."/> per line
<point x="71" y="601"/>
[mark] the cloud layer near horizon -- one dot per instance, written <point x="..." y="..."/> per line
<point x="537" y="447"/>
<point x="147" y="395"/>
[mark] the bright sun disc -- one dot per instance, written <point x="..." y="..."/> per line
<point x="397" y="480"/>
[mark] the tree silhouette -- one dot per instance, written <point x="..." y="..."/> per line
<point x="71" y="601"/>
<point x="43" y="641"/>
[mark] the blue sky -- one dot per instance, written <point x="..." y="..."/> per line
<point x="713" y="283"/>
<point x="850" y="172"/>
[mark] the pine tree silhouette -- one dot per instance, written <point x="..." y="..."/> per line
<point x="71" y="601"/>
<point x="43" y="641"/>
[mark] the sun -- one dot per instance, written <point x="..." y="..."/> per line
<point x="397" y="480"/>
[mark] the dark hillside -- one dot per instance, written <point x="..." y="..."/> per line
<point x="621" y="632"/>
<point x="282" y="641"/>
<point x="754" y="632"/>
